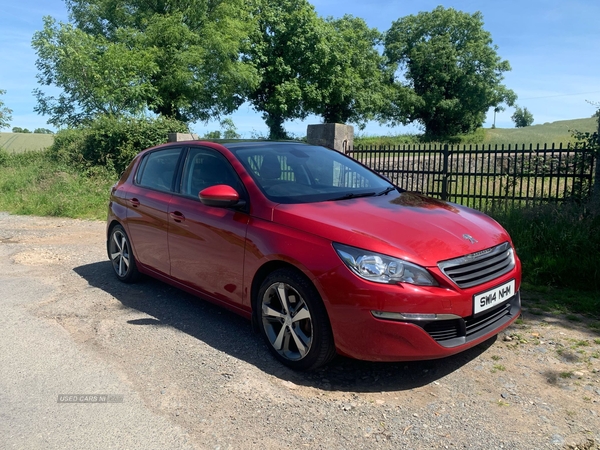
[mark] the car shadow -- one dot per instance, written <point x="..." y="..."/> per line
<point x="233" y="335"/>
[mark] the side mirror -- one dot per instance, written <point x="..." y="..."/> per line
<point x="219" y="195"/>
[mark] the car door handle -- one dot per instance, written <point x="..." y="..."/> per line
<point x="134" y="202"/>
<point x="177" y="216"/>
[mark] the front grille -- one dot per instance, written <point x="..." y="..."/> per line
<point x="445" y="330"/>
<point x="475" y="325"/>
<point x="450" y="333"/>
<point x="478" y="268"/>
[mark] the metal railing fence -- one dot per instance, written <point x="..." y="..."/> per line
<point x="486" y="177"/>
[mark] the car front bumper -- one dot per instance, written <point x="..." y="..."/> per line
<point x="403" y="323"/>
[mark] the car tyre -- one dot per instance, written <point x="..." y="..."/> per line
<point x="294" y="321"/>
<point x="121" y="255"/>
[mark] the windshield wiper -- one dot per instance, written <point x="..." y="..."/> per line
<point x="353" y="195"/>
<point x="386" y="191"/>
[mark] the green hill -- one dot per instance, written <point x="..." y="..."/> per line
<point x="23" y="142"/>
<point x="547" y="133"/>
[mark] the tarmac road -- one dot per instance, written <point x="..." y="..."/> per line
<point x="39" y="361"/>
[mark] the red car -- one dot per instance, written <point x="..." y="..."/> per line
<point x="322" y="254"/>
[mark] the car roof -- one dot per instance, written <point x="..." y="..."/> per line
<point x="257" y="144"/>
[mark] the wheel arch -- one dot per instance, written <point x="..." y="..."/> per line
<point x="262" y="273"/>
<point x="113" y="223"/>
<point x="323" y="348"/>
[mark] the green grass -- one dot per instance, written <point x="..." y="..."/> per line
<point x="559" y="245"/>
<point x="555" y="132"/>
<point x="547" y="133"/>
<point x="25" y="142"/>
<point x="560" y="300"/>
<point x="33" y="183"/>
<point x="499" y="367"/>
<point x="388" y="141"/>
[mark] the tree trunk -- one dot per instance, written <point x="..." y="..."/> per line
<point x="275" y="124"/>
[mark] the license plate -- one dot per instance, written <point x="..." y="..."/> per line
<point x="493" y="297"/>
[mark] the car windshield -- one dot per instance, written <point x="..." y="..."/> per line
<point x="288" y="172"/>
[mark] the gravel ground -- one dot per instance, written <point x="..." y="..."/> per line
<point x="195" y="375"/>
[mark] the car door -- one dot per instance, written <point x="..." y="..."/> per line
<point x="206" y="243"/>
<point x="147" y="213"/>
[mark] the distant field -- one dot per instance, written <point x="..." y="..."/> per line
<point x="23" y="142"/>
<point x="547" y="133"/>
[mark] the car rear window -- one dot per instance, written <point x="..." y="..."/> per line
<point x="158" y="169"/>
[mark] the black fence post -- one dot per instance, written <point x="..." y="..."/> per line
<point x="445" y="175"/>
<point x="596" y="162"/>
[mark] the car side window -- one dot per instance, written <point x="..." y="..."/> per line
<point x="204" y="168"/>
<point x="158" y="169"/>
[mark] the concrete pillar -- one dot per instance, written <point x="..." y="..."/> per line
<point x="181" y="137"/>
<point x="331" y="135"/>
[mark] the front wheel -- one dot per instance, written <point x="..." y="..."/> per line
<point x="121" y="256"/>
<point x="294" y="322"/>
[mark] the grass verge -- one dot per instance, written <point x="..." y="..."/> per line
<point x="33" y="183"/>
<point x="559" y="245"/>
<point x="553" y="300"/>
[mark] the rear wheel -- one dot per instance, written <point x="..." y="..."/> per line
<point x="121" y="256"/>
<point x="294" y="322"/>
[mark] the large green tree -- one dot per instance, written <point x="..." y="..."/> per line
<point x="176" y="58"/>
<point x="310" y="65"/>
<point x="450" y="73"/>
<point x="353" y="80"/>
<point x="5" y="113"/>
<point x="287" y="45"/>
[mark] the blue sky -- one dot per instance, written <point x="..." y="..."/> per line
<point x="553" y="47"/>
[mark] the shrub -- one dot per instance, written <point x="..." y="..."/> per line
<point x="559" y="245"/>
<point x="112" y="141"/>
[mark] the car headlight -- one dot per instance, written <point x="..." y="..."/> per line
<point x="381" y="268"/>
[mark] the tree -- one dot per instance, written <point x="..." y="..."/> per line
<point x="309" y="65"/>
<point x="5" y="113"/>
<point x="522" y="117"/>
<point x="176" y="58"/>
<point x="286" y="46"/>
<point x="20" y="130"/>
<point x="352" y="80"/>
<point x="229" y="131"/>
<point x="96" y="76"/>
<point x="43" y="131"/>
<point x="452" y="72"/>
